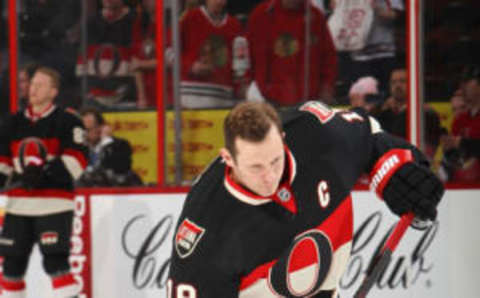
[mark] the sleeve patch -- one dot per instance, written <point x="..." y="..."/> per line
<point x="323" y="112"/>
<point x="187" y="237"/>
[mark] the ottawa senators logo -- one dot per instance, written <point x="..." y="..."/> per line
<point x="187" y="238"/>
<point x="32" y="150"/>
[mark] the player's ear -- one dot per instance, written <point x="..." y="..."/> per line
<point x="227" y="157"/>
<point x="283" y="135"/>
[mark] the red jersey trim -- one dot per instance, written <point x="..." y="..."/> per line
<point x="78" y="155"/>
<point x="386" y="166"/>
<point x="35" y="116"/>
<point x="338" y="235"/>
<point x="6" y="160"/>
<point x="204" y="11"/>
<point x="12" y="285"/>
<point x="62" y="281"/>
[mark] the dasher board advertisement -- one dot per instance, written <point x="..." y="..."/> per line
<point x="131" y="235"/>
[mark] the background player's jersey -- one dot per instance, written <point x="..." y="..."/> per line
<point x="62" y="135"/>
<point x="232" y="243"/>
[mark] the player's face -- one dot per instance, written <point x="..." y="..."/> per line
<point x="398" y="84"/>
<point x="260" y="166"/>
<point x="41" y="90"/>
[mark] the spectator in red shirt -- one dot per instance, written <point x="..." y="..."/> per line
<point x="207" y="35"/>
<point x="462" y="148"/>
<point x="285" y="70"/>
<point x="457" y="103"/>
<point x="144" y="62"/>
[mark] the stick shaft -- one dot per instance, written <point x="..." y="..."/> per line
<point x="381" y="261"/>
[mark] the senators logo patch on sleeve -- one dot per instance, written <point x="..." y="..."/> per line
<point x="187" y="237"/>
<point x="320" y="110"/>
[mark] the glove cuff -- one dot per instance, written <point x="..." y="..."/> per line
<point x="386" y="166"/>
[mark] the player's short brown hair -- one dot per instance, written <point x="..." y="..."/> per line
<point x="52" y="73"/>
<point x="250" y="121"/>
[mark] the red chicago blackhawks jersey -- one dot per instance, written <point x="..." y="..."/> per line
<point x="233" y="243"/>
<point x="61" y="134"/>
<point x="280" y="63"/>
<point x="202" y="40"/>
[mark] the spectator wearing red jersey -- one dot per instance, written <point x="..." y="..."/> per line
<point x="462" y="149"/>
<point x="285" y="70"/>
<point x="207" y="35"/>
<point x="106" y="63"/>
<point x="144" y="62"/>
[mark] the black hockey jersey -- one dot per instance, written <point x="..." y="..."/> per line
<point x="62" y="135"/>
<point x="232" y="243"/>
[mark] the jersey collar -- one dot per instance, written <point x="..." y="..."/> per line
<point x="246" y="196"/>
<point x="30" y="114"/>
<point x="204" y="10"/>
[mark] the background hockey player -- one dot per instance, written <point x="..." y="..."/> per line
<point x="41" y="152"/>
<point x="273" y="215"/>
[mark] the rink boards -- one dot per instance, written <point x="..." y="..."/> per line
<point x="121" y="246"/>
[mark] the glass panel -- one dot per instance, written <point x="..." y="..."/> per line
<point x="256" y="50"/>
<point x="104" y="52"/>
<point x="452" y="83"/>
<point x="292" y="53"/>
<point x="371" y="46"/>
<point x="116" y="72"/>
<point x="48" y="36"/>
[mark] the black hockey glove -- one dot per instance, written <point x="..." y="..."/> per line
<point x="33" y="176"/>
<point x="414" y="188"/>
<point x="56" y="173"/>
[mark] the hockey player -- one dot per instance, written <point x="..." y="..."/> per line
<point x="41" y="152"/>
<point x="272" y="216"/>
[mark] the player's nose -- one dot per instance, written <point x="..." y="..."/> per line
<point x="269" y="177"/>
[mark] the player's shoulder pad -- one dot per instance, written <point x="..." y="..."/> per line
<point x="300" y="111"/>
<point x="321" y="111"/>
<point x="70" y="117"/>
<point x="375" y="126"/>
<point x="73" y="112"/>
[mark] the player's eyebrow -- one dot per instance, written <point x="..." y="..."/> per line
<point x="257" y="165"/>
<point x="276" y="159"/>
